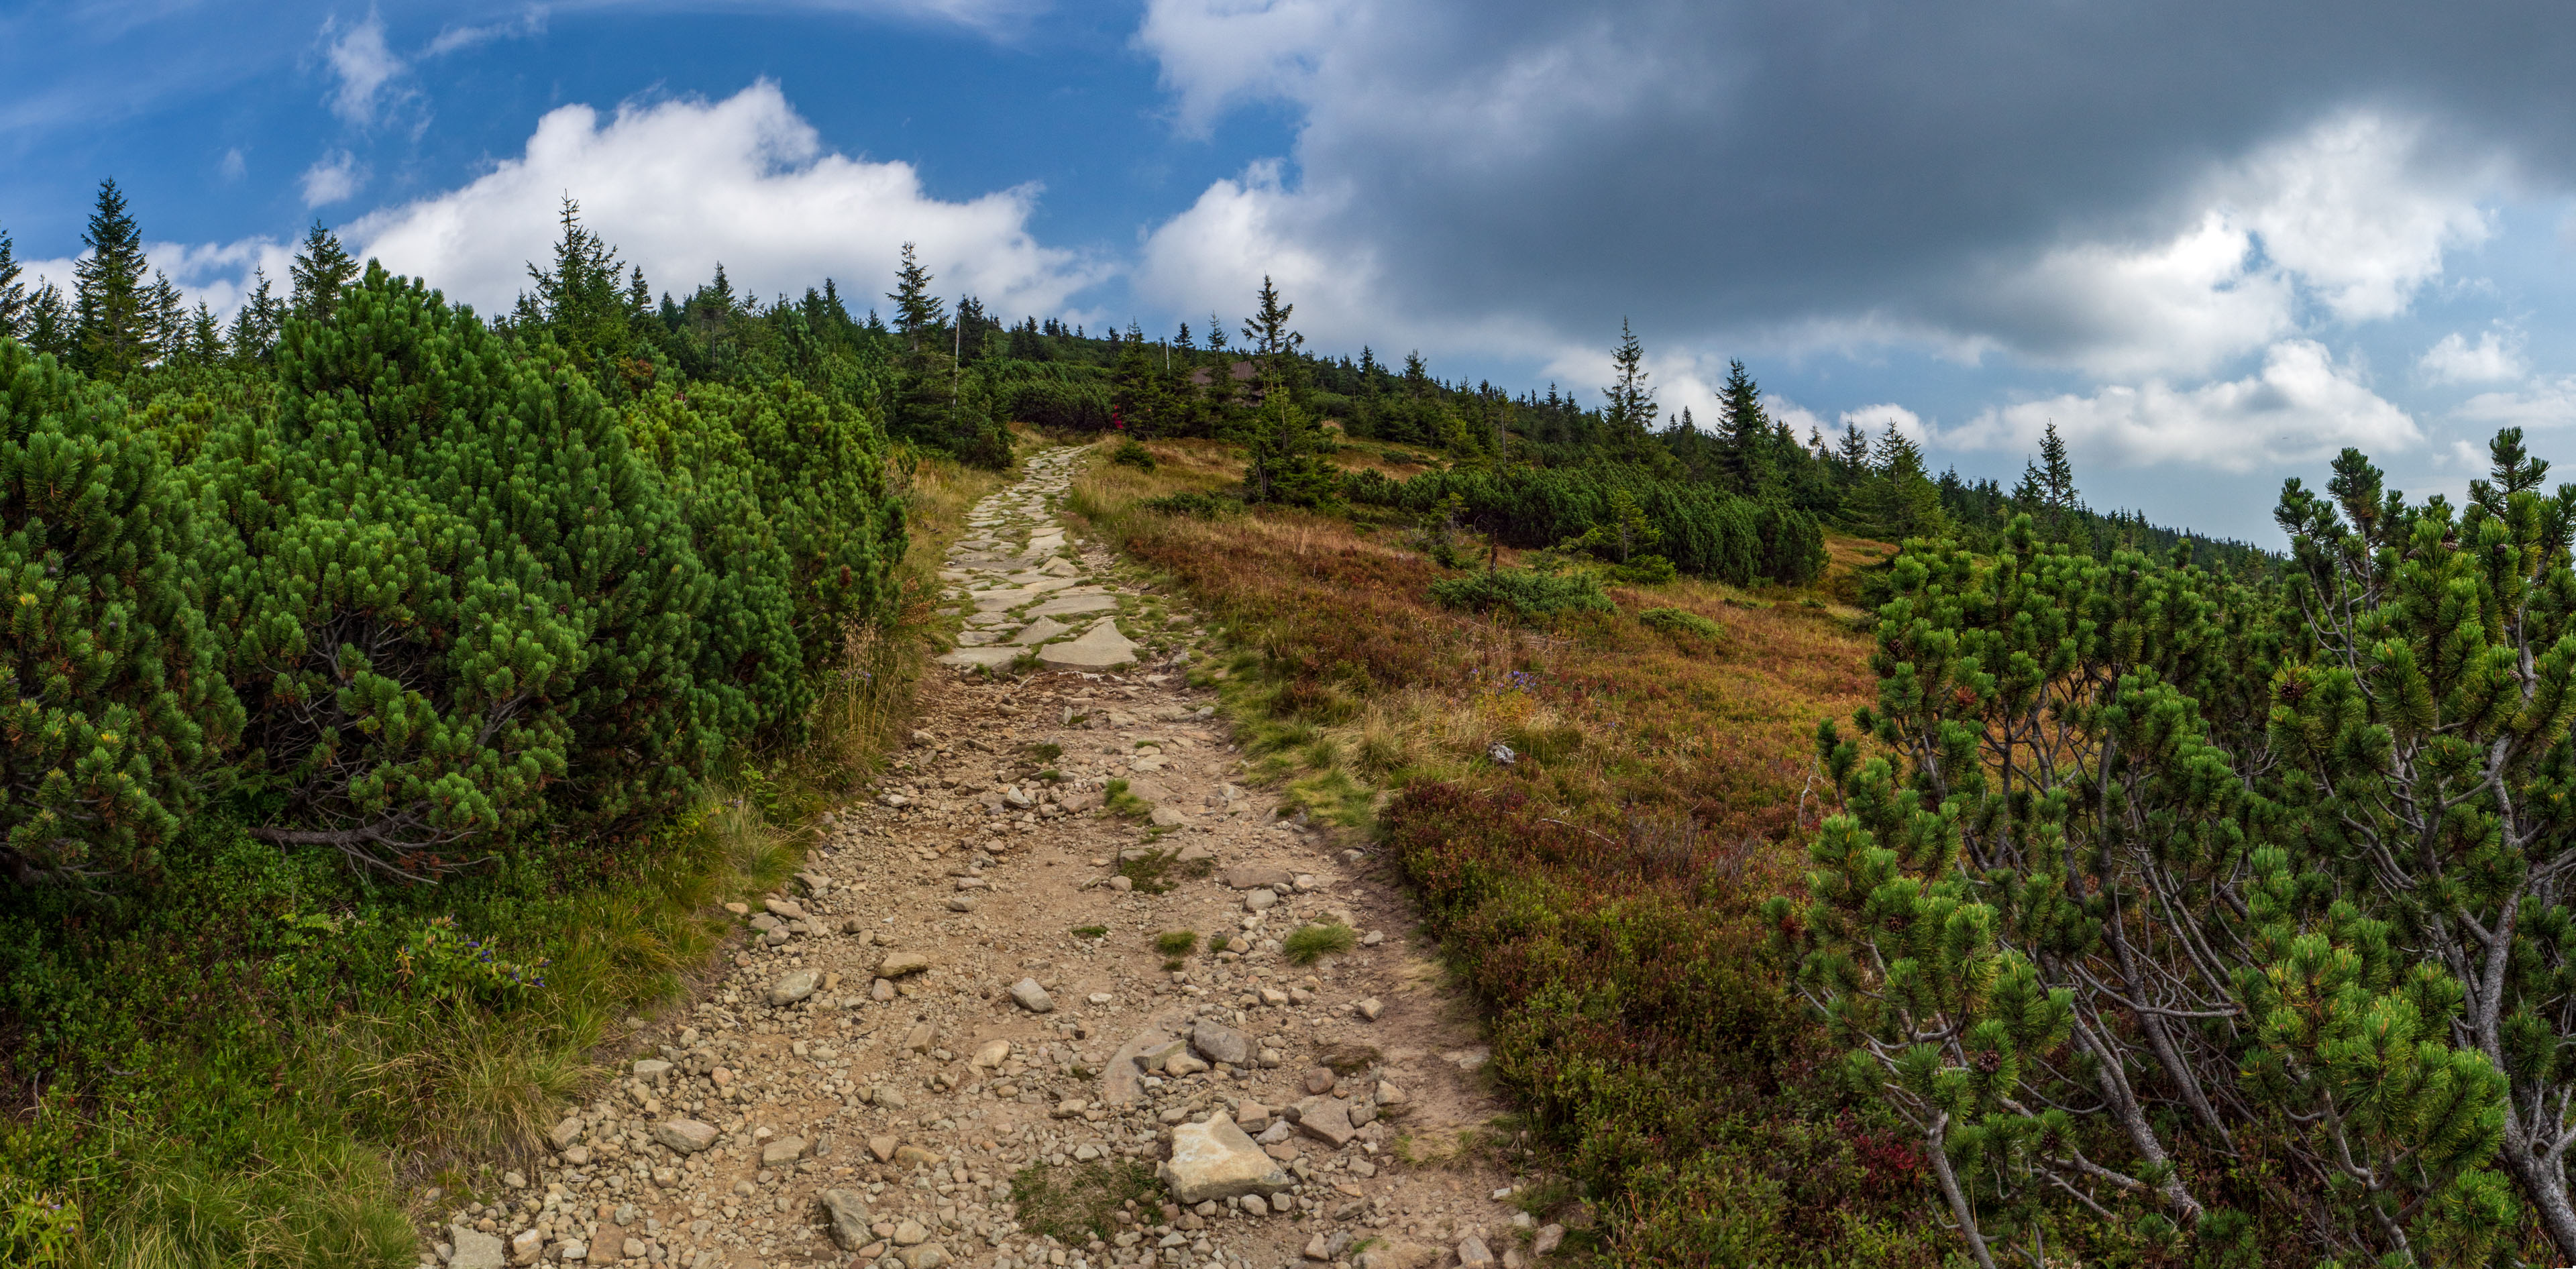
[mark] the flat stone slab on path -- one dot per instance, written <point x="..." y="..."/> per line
<point x="964" y="657"/>
<point x="1069" y="605"/>
<point x="1039" y="631"/>
<point x="1097" y="649"/>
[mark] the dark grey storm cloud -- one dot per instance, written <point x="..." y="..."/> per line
<point x="1694" y="162"/>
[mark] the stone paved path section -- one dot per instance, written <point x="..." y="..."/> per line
<point x="963" y="983"/>
<point x="1024" y="583"/>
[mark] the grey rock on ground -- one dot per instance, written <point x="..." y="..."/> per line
<point x="847" y="1212"/>
<point x="1214" y="1160"/>
<point x="474" y="1250"/>
<point x="687" y="1136"/>
<point x="794" y="987"/>
<point x="1220" y="1043"/>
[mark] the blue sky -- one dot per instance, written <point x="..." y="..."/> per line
<point x="2213" y="242"/>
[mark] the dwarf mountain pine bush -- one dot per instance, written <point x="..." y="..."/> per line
<point x="2157" y="874"/>
<point x="119" y="714"/>
<point x="419" y="597"/>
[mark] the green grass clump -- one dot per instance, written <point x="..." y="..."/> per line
<point x="1525" y="593"/>
<point x="1675" y="621"/>
<point x="1045" y="751"/>
<point x="1121" y="802"/>
<point x="1131" y="454"/>
<point x="1090" y="931"/>
<point x="1154" y="871"/>
<point x="1177" y="942"/>
<point x="1314" y="942"/>
<point x="1078" y="1202"/>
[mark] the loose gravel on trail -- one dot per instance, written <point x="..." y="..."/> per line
<point x="964" y="983"/>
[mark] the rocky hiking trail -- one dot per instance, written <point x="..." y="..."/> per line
<point x="960" y="1024"/>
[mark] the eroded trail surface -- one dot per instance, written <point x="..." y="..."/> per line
<point x="965" y="983"/>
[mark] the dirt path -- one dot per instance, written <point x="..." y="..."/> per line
<point x="967" y="984"/>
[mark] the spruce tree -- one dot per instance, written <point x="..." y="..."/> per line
<point x="1899" y="499"/>
<point x="205" y="337"/>
<point x="1852" y="453"/>
<point x="1216" y="334"/>
<point x="1268" y="334"/>
<point x="14" y="316"/>
<point x="321" y="271"/>
<point x="2047" y="490"/>
<point x="113" y="314"/>
<point x="585" y="304"/>
<point x="51" y="324"/>
<point x="917" y="312"/>
<point x="2056" y="474"/>
<point x="1744" y="435"/>
<point x="1630" y="408"/>
<point x="254" y="332"/>
<point x="169" y="319"/>
<point x="1286" y="457"/>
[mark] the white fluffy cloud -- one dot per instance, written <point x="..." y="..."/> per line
<point x="2547" y="403"/>
<point x="2496" y="357"/>
<point x="1874" y="419"/>
<point x="333" y="178"/>
<point x="1217" y="53"/>
<point x="364" y="65"/>
<point x="680" y="186"/>
<point x="531" y="22"/>
<point x="2183" y="305"/>
<point x="2361" y="210"/>
<point x="2301" y="405"/>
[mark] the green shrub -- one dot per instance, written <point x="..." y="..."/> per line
<point x="1704" y="532"/>
<point x="1131" y="454"/>
<point x="1064" y="405"/>
<point x="120" y="713"/>
<point x="1526" y="593"/>
<point x="1176" y="942"/>
<point x="455" y="601"/>
<point x="1203" y="506"/>
<point x="1644" y="570"/>
<point x="1676" y="621"/>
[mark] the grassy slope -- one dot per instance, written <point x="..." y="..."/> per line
<point x="260" y="1061"/>
<point x="1600" y="891"/>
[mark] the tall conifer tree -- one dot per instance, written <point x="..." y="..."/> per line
<point x="169" y="320"/>
<point x="1744" y="434"/>
<point x="322" y="270"/>
<point x="50" y="323"/>
<point x="917" y="312"/>
<point x="254" y="331"/>
<point x="1630" y="410"/>
<point x="112" y="323"/>
<point x="13" y="293"/>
